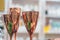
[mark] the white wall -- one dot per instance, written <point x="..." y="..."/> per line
<point x="54" y="0"/>
<point x="8" y="4"/>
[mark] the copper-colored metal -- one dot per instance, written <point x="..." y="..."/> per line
<point x="32" y="17"/>
<point x="15" y="36"/>
<point x="12" y="17"/>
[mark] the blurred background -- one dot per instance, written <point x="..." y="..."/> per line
<point x="48" y="26"/>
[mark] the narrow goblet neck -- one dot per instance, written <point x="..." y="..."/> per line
<point x="15" y="35"/>
<point x="31" y="37"/>
<point x="10" y="37"/>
